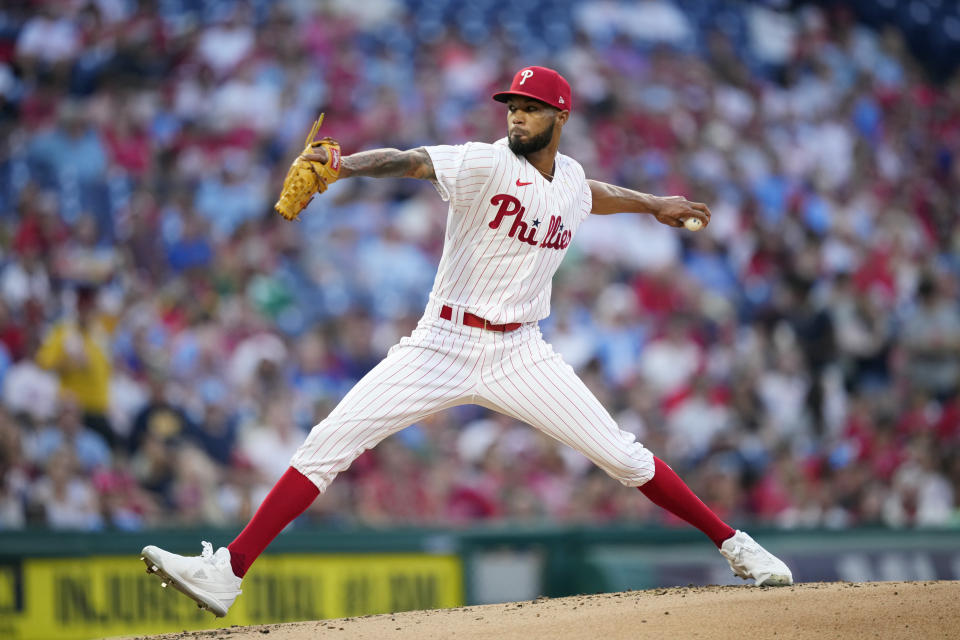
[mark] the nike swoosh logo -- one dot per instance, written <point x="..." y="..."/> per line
<point x="522" y="184"/>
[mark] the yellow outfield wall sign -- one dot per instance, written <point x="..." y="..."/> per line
<point x="100" y="596"/>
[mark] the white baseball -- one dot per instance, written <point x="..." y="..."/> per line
<point x="693" y="224"/>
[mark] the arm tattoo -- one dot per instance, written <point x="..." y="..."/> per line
<point x="389" y="163"/>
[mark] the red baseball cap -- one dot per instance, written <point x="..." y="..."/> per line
<point x="540" y="83"/>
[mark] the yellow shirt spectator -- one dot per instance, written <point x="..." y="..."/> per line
<point x="79" y="357"/>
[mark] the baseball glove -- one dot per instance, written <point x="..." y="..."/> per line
<point x="308" y="177"/>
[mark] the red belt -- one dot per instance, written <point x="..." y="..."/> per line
<point x="476" y="321"/>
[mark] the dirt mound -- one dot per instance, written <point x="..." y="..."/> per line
<point x="815" y="610"/>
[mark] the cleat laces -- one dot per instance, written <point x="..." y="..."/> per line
<point x="208" y="558"/>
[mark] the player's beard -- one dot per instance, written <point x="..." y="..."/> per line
<point x="534" y="144"/>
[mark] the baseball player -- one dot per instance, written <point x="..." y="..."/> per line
<point x="515" y="206"/>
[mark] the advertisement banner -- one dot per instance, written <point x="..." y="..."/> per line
<point x="99" y="596"/>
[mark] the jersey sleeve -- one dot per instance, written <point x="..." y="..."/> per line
<point x="460" y="169"/>
<point x="447" y="160"/>
<point x="586" y="195"/>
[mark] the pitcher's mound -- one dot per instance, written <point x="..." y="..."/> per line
<point x="825" y="611"/>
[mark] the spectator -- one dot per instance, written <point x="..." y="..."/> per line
<point x="47" y="41"/>
<point x="217" y="433"/>
<point x="74" y="151"/>
<point x="224" y="45"/>
<point x="85" y="259"/>
<point x="921" y="495"/>
<point x="231" y="196"/>
<point x="87" y="447"/>
<point x="864" y="333"/>
<point x="159" y="418"/>
<point x="25" y="279"/>
<point x="816" y="343"/>
<point x="30" y="392"/>
<point x="124" y="503"/>
<point x="621" y="336"/>
<point x="931" y="333"/>
<point x="65" y="498"/>
<point x="268" y="444"/>
<point x="77" y="351"/>
<point x="195" y="489"/>
<point x="694" y="423"/>
<point x="153" y="465"/>
<point x="668" y="363"/>
<point x="14" y="478"/>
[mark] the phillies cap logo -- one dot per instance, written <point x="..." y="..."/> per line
<point x="539" y="83"/>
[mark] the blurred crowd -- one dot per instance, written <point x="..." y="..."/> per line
<point x="166" y="342"/>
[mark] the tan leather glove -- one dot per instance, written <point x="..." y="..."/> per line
<point x="307" y="178"/>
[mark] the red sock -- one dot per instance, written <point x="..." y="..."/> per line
<point x="290" y="497"/>
<point x="668" y="491"/>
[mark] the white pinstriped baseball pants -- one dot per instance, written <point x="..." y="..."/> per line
<point x="443" y="364"/>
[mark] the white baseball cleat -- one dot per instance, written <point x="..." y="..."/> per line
<point x="749" y="560"/>
<point x="207" y="579"/>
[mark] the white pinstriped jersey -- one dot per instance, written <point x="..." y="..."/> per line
<point x="508" y="229"/>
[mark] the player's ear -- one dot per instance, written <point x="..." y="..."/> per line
<point x="562" y="117"/>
